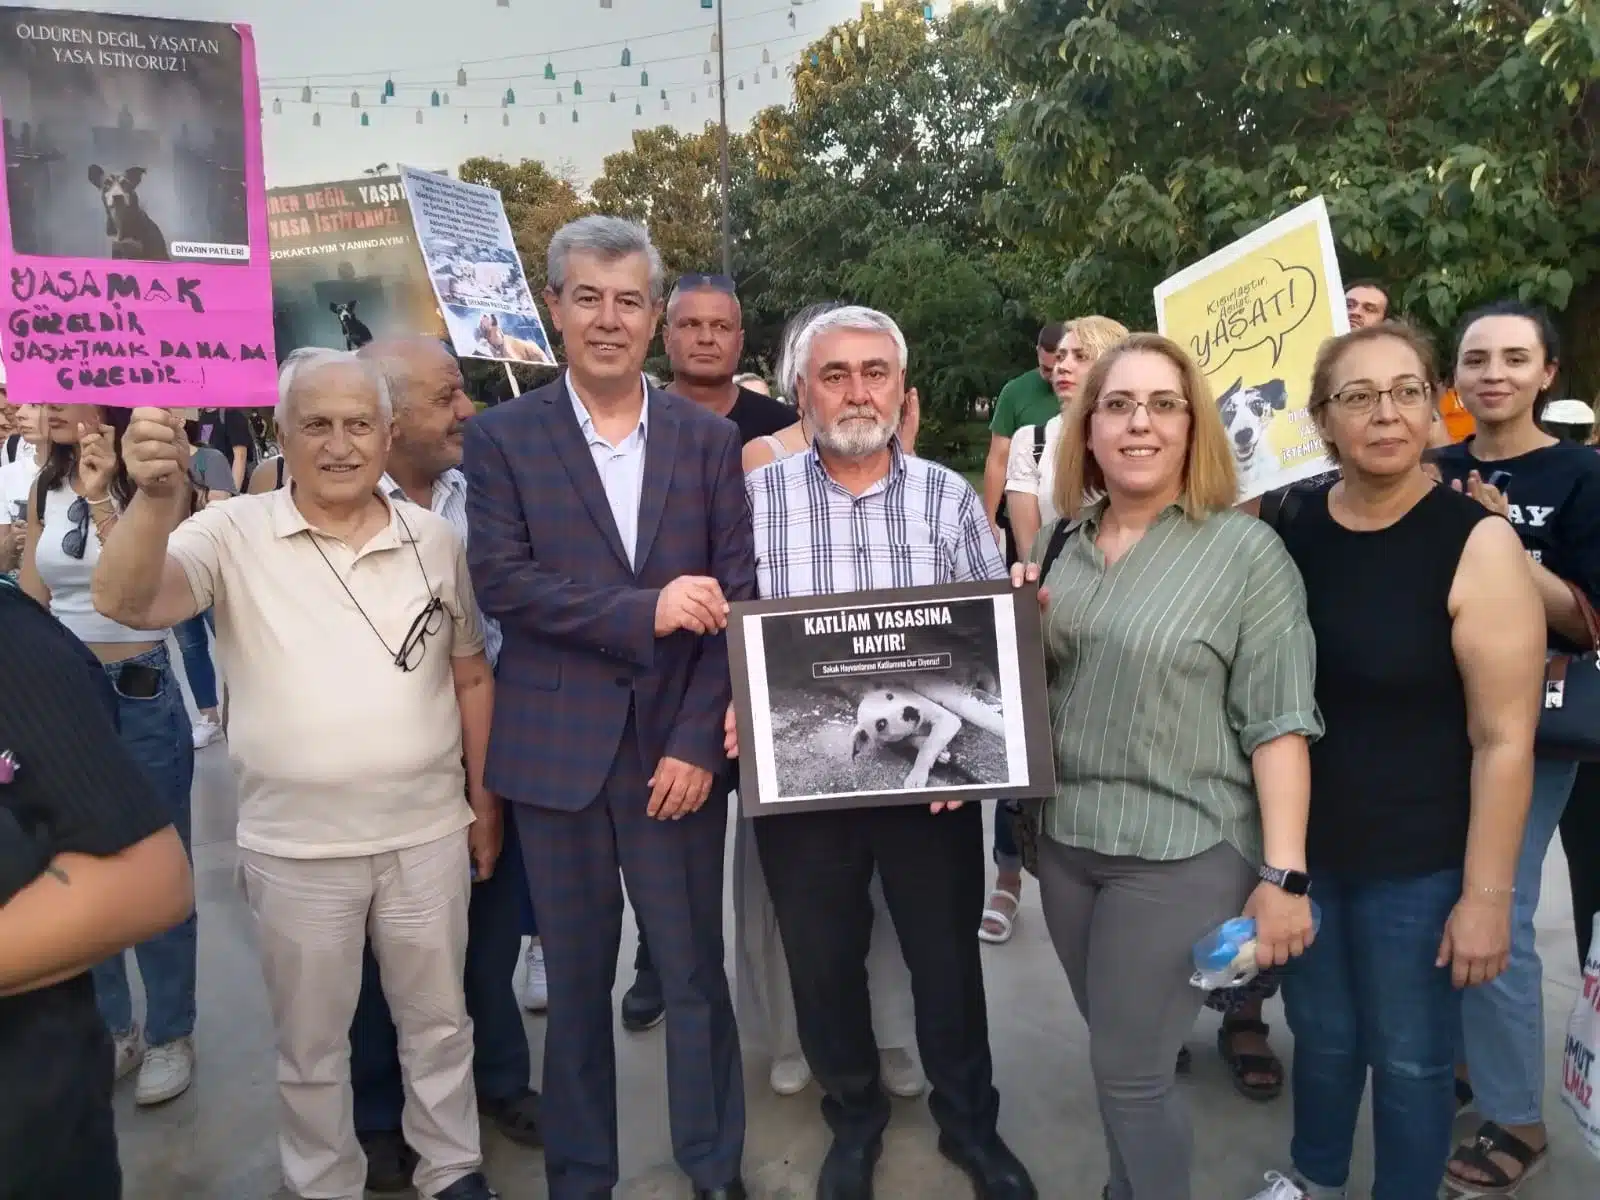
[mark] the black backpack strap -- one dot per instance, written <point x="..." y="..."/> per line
<point x="12" y="443"/>
<point x="279" y="483"/>
<point x="1038" y="444"/>
<point x="1058" y="542"/>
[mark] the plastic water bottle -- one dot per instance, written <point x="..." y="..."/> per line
<point x="1226" y="957"/>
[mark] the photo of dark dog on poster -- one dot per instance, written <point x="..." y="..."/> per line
<point x="124" y="137"/>
<point x="887" y="699"/>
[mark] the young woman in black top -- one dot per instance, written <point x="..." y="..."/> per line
<point x="1506" y="363"/>
<point x="1430" y="645"/>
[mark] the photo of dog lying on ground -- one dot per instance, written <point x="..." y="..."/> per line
<point x="925" y="713"/>
<point x="501" y="345"/>
<point x="934" y="729"/>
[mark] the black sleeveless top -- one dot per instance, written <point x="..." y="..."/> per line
<point x="1391" y="778"/>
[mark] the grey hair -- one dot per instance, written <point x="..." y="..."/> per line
<point x="307" y="361"/>
<point x="788" y="365"/>
<point x="610" y="238"/>
<point x="679" y="289"/>
<point x="845" y="316"/>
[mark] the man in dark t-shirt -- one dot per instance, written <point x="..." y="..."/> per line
<point x="82" y="833"/>
<point x="704" y="335"/>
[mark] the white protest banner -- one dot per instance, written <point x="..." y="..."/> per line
<point x="475" y="270"/>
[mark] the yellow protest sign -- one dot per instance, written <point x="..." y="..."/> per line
<point x="1252" y="315"/>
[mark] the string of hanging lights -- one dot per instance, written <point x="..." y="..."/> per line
<point x="406" y="94"/>
<point x="345" y="79"/>
<point x="439" y="98"/>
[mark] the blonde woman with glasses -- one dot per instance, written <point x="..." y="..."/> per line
<point x="1180" y="665"/>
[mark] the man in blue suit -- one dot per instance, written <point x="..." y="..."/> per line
<point x="609" y="531"/>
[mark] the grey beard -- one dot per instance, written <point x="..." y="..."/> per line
<point x="856" y="438"/>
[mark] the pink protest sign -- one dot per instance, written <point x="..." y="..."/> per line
<point x="134" y="267"/>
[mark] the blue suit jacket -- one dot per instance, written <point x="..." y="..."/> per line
<point x="579" y="622"/>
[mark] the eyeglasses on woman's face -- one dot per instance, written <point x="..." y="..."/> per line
<point x="1361" y="398"/>
<point x="1163" y="406"/>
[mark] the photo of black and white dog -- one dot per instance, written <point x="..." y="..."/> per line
<point x="1247" y="410"/>
<point x="356" y="334"/>
<point x="120" y="156"/>
<point x="133" y="232"/>
<point x="926" y="714"/>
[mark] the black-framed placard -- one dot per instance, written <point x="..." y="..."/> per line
<point x="903" y="696"/>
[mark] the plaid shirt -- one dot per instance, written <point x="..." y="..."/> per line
<point x="921" y="524"/>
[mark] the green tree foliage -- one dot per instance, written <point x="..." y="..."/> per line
<point x="1455" y="141"/>
<point x="870" y="188"/>
<point x="670" y="182"/>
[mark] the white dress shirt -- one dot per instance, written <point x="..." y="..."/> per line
<point x="621" y="468"/>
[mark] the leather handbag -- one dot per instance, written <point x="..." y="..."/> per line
<point x="1569" y="723"/>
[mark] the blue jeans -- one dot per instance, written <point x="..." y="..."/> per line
<point x="1006" y="855"/>
<point x="197" y="667"/>
<point x="501" y="1062"/>
<point x="1367" y="996"/>
<point x="155" y="731"/>
<point x="1502" y="1023"/>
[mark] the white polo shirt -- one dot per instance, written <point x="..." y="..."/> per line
<point x="338" y="752"/>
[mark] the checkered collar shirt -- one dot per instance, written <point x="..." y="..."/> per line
<point x="921" y="524"/>
<point x="450" y="502"/>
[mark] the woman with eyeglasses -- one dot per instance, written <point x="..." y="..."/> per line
<point x="1429" y="639"/>
<point x="1180" y="667"/>
<point x="82" y="487"/>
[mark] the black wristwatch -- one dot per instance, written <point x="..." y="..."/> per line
<point x="1296" y="883"/>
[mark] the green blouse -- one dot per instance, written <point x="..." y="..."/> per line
<point x="1167" y="670"/>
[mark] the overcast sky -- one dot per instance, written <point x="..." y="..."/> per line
<point x="340" y="46"/>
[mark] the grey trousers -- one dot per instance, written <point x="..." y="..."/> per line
<point x="1124" y="929"/>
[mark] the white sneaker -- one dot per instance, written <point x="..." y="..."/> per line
<point x="206" y="731"/>
<point x="166" y="1073"/>
<point x="902" y="1074"/>
<point x="790" y="1074"/>
<point x="1282" y="1187"/>
<point x="535" y="991"/>
<point x="129" y="1052"/>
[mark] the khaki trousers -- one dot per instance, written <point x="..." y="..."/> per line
<point x="315" y="916"/>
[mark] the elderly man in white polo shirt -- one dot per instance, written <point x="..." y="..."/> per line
<point x="353" y="649"/>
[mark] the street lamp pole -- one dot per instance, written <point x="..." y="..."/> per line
<point x="722" y="130"/>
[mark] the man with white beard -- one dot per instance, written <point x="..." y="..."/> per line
<point x="855" y="513"/>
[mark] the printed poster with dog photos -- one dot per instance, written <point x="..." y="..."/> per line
<point x="346" y="266"/>
<point x="1253" y="315"/>
<point x="475" y="269"/>
<point x="133" y="221"/>
<point x="909" y="696"/>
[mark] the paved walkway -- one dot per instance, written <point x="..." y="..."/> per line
<point x="217" y="1142"/>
